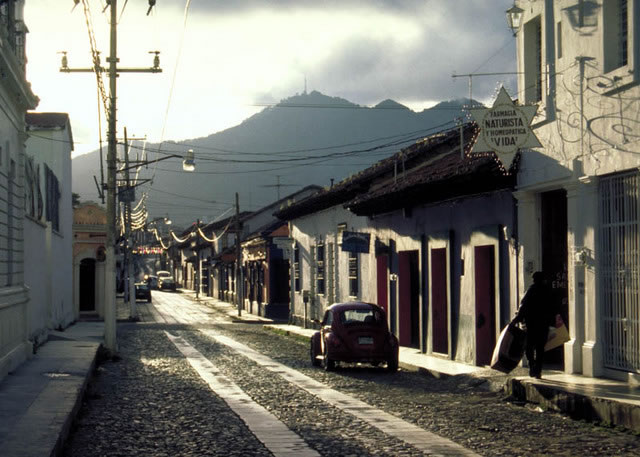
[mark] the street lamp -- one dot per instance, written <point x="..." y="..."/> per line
<point x="514" y="18"/>
<point x="189" y="164"/>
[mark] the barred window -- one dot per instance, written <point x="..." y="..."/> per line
<point x="296" y="268"/>
<point x="353" y="274"/>
<point x="533" y="60"/>
<point x="53" y="198"/>
<point x="320" y="268"/>
<point x="616" y="34"/>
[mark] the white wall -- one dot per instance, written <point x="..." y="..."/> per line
<point x="16" y="98"/>
<point x="323" y="226"/>
<point x="464" y="224"/>
<point x="589" y="127"/>
<point x="48" y="252"/>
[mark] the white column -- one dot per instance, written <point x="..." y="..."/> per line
<point x="578" y="218"/>
<point x="592" y="346"/>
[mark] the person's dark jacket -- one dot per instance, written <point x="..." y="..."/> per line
<point x="537" y="308"/>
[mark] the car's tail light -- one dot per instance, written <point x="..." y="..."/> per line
<point x="334" y="341"/>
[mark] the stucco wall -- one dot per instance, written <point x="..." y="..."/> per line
<point x="460" y="225"/>
<point x="307" y="232"/>
<point x="589" y="125"/>
<point x="48" y="252"/>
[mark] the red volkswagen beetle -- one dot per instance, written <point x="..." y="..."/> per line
<point x="354" y="332"/>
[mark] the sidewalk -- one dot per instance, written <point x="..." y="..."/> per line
<point x="601" y="400"/>
<point x="40" y="399"/>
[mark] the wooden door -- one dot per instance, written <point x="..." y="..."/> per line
<point x="484" y="259"/>
<point x="440" y="321"/>
<point x="382" y="281"/>
<point x="408" y="298"/>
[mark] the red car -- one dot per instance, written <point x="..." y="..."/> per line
<point x="354" y="332"/>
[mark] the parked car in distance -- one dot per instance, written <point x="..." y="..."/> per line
<point x="167" y="283"/>
<point x="143" y="291"/>
<point x="354" y="332"/>
<point x="162" y="274"/>
<point x="152" y="280"/>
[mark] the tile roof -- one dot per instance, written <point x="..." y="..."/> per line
<point x="434" y="162"/>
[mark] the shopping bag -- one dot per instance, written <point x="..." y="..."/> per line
<point x="558" y="334"/>
<point x="509" y="348"/>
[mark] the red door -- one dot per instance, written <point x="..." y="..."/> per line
<point x="485" y="303"/>
<point x="439" y="300"/>
<point x="408" y="298"/>
<point x="382" y="281"/>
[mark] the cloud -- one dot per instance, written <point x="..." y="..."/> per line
<point x="240" y="53"/>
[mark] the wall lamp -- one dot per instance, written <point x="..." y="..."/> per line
<point x="514" y="18"/>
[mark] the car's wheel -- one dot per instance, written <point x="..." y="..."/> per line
<point x="392" y="364"/>
<point x="327" y="363"/>
<point x="312" y="353"/>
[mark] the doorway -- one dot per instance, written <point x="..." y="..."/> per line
<point x="484" y="266"/>
<point x="553" y="212"/>
<point x="87" y="285"/>
<point x="382" y="280"/>
<point x="409" y="298"/>
<point x="439" y="297"/>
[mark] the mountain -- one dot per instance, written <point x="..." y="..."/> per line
<point x="305" y="139"/>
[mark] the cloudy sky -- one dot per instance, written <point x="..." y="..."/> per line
<point x="224" y="60"/>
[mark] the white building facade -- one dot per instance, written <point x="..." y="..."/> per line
<point x="435" y="246"/>
<point x="579" y="195"/>
<point x="48" y="224"/>
<point x="16" y="98"/>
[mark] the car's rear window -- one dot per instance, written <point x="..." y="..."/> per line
<point x="361" y="316"/>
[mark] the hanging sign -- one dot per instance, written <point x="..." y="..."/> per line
<point x="356" y="242"/>
<point x="505" y="128"/>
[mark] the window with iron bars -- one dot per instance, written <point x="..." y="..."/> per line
<point x="320" y="269"/>
<point x="353" y="274"/>
<point x="296" y="269"/>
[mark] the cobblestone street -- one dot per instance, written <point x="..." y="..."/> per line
<point x="151" y="400"/>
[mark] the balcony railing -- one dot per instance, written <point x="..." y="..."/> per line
<point x="13" y="33"/>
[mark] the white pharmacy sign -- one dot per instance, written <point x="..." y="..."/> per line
<point x="505" y="128"/>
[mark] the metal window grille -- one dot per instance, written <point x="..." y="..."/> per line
<point x="353" y="274"/>
<point x="623" y="33"/>
<point x="296" y="269"/>
<point x="539" y="62"/>
<point x="620" y="270"/>
<point x="331" y="286"/>
<point x="320" y="269"/>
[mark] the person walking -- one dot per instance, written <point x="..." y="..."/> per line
<point x="537" y="311"/>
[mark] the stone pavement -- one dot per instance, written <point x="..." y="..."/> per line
<point x="40" y="399"/>
<point x="601" y="400"/>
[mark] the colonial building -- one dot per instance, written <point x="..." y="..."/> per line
<point x="17" y="98"/>
<point x="427" y="233"/>
<point x="579" y="194"/>
<point x="48" y="224"/>
<point x="89" y="238"/>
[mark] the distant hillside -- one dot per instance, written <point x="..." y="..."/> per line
<point x="305" y="139"/>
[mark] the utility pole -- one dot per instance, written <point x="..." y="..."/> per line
<point x="239" y="285"/>
<point x="110" y="341"/>
<point x="198" y="269"/>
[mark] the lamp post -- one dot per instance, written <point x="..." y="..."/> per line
<point x="110" y="263"/>
<point x="514" y="18"/>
